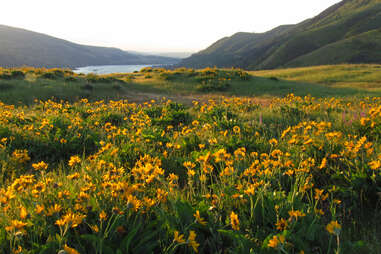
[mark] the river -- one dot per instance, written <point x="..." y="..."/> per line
<point x="107" y="69"/>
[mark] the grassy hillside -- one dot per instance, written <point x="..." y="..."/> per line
<point x="183" y="84"/>
<point x="19" y="47"/>
<point x="234" y="50"/>
<point x="316" y="36"/>
<point x="305" y="44"/>
<point x="335" y="76"/>
<point x="365" y="47"/>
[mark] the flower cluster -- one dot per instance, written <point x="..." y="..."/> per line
<point x="225" y="174"/>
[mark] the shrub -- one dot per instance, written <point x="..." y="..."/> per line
<point x="59" y="73"/>
<point x="71" y="79"/>
<point x="92" y="78"/>
<point x="5" y="76"/>
<point x="274" y="78"/>
<point x="146" y="69"/>
<point x="17" y="74"/>
<point x="48" y="75"/>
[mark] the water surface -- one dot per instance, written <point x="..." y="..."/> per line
<point x="108" y="69"/>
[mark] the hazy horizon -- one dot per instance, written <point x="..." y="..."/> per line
<point x="152" y="26"/>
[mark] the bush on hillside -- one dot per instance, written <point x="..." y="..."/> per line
<point x="17" y="74"/>
<point x="5" y="76"/>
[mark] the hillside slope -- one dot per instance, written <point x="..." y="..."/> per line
<point x="299" y="45"/>
<point x="22" y="47"/>
<point x="363" y="48"/>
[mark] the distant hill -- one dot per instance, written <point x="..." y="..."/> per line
<point x="20" y="47"/>
<point x="174" y="54"/>
<point x="347" y="32"/>
<point x="179" y="55"/>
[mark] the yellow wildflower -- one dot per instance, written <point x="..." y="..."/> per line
<point x="16" y="224"/>
<point x="102" y="215"/>
<point x="21" y="156"/>
<point x="374" y="165"/>
<point x="276" y="241"/>
<point x="236" y="130"/>
<point x="40" y="166"/>
<point x="191" y="172"/>
<point x="234" y="221"/>
<point x="296" y="214"/>
<point x="192" y="242"/>
<point x="74" y="160"/>
<point x="39" y="209"/>
<point x="189" y="165"/>
<point x="273" y="141"/>
<point x="95" y="228"/>
<point x="70" y="250"/>
<point x="54" y="209"/>
<point x="23" y="213"/>
<point x="195" y="123"/>
<point x="179" y="238"/>
<point x="323" y="163"/>
<point x="76" y="175"/>
<point x="281" y="224"/>
<point x="333" y="228"/>
<point x="199" y="219"/>
<point x="70" y="219"/>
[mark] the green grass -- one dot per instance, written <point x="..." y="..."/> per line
<point x="322" y="81"/>
<point x="32" y="88"/>
<point x="256" y="86"/>
<point x="267" y="86"/>
<point x="361" y="76"/>
<point x="365" y="47"/>
<point x="15" y="92"/>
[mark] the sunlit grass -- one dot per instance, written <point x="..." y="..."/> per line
<point x="323" y="81"/>
<point x="361" y="76"/>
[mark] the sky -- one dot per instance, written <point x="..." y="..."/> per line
<point x="155" y="25"/>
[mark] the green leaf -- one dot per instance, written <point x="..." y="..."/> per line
<point x="91" y="238"/>
<point x="126" y="242"/>
<point x="107" y="250"/>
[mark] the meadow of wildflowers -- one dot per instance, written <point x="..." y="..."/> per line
<point x="230" y="175"/>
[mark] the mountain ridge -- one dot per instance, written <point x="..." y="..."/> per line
<point x="281" y="46"/>
<point x="21" y="47"/>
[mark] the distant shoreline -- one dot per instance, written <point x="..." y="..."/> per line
<point x="109" y="69"/>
